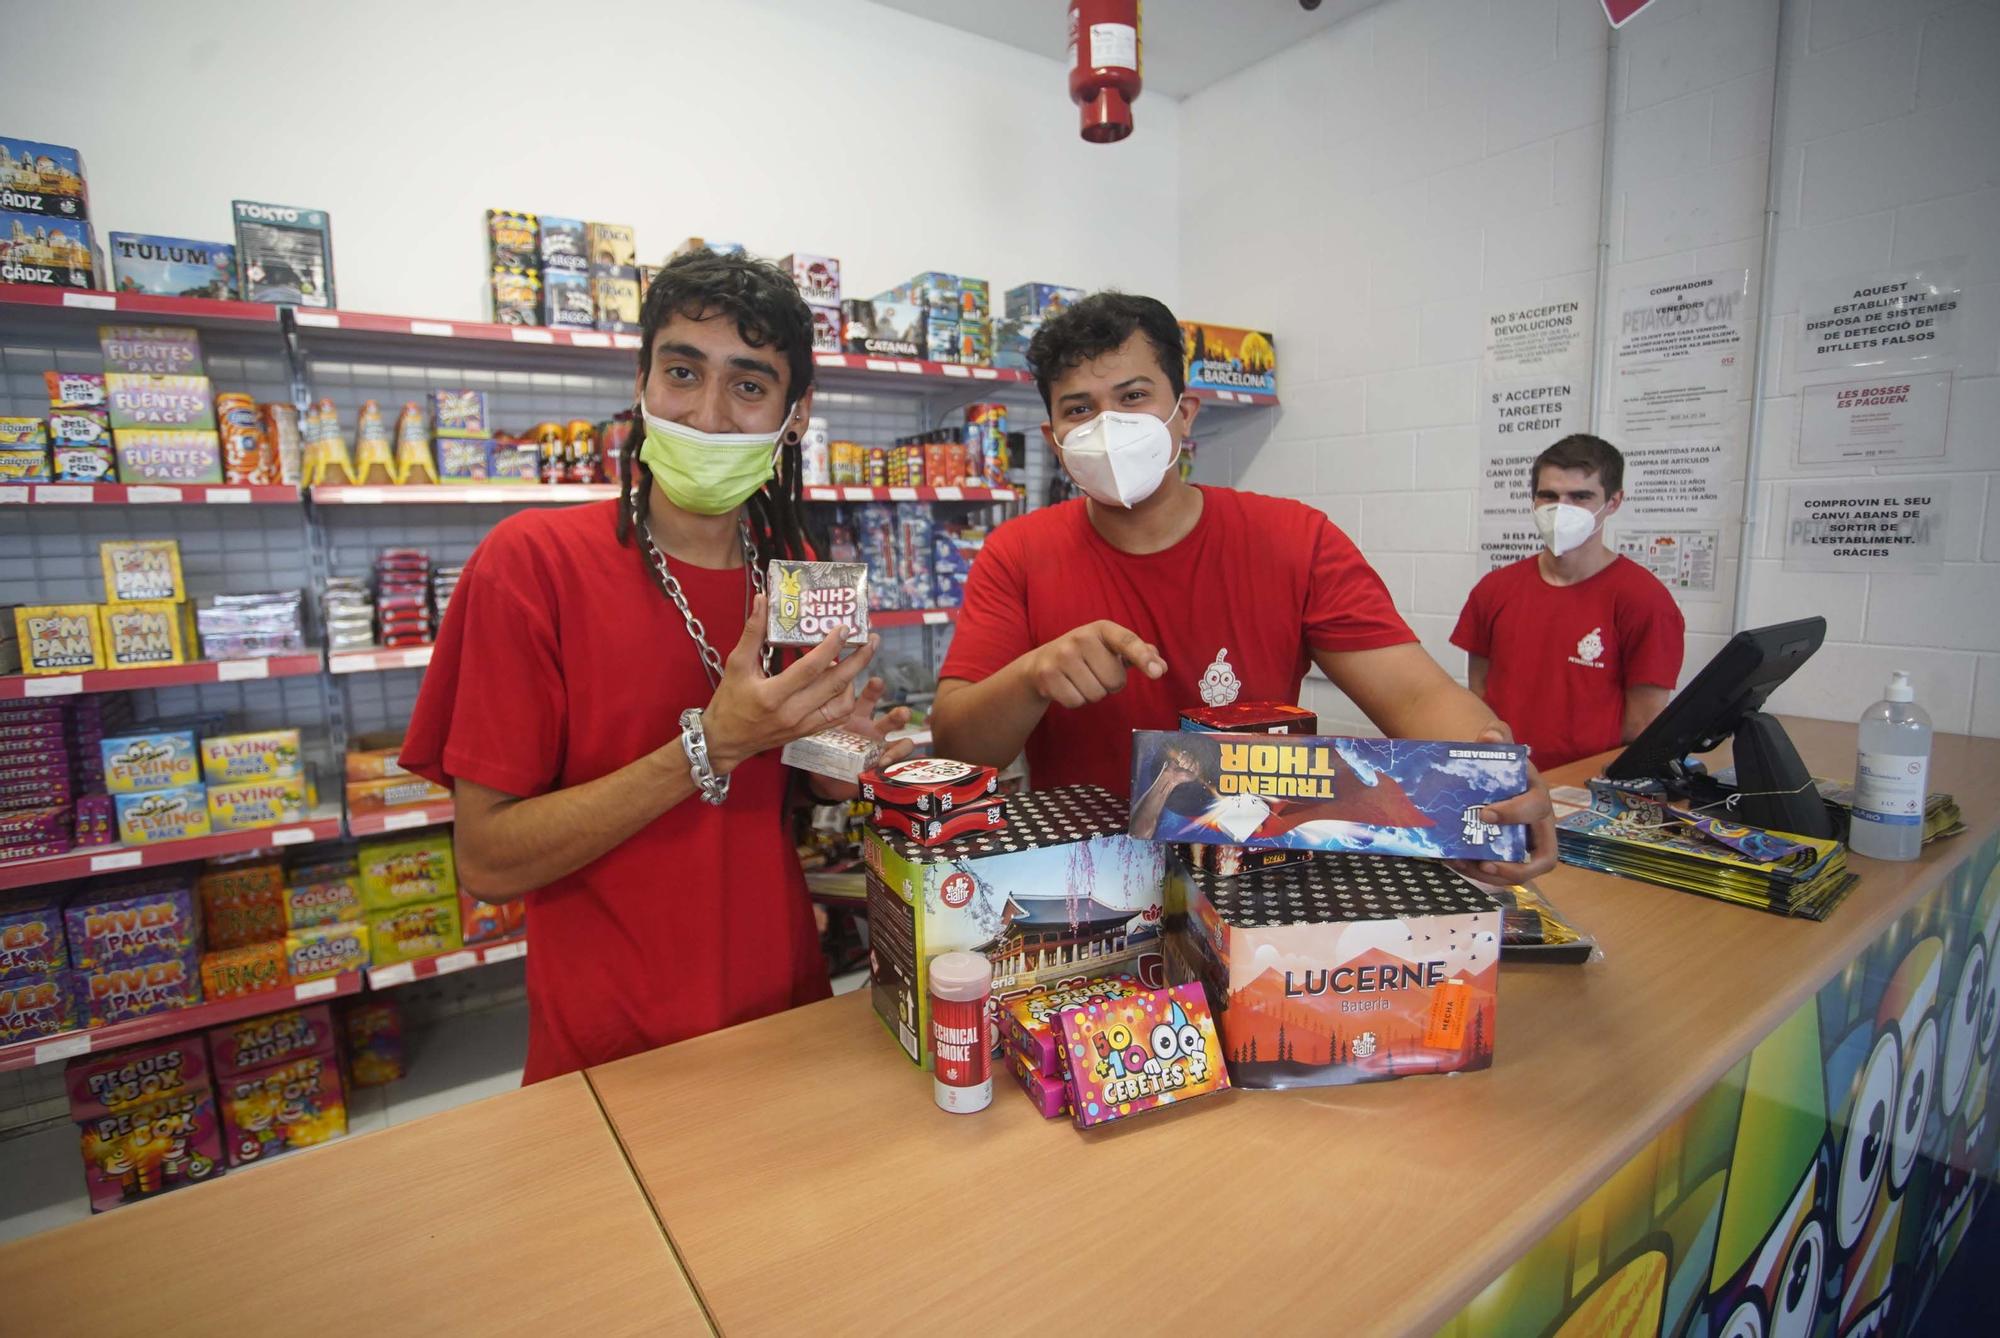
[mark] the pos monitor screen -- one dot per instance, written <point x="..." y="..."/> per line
<point x="1724" y="700"/>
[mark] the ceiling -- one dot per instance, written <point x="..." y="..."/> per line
<point x="1189" y="44"/>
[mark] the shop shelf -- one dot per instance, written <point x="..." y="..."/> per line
<point x="471" y="494"/>
<point x="374" y="660"/>
<point x="406" y="818"/>
<point x="912" y="617"/>
<point x="849" y="493"/>
<point x="901" y="367"/>
<point x="178" y="1022"/>
<point x="81" y="863"/>
<point x="445" y="963"/>
<point x="187" y="310"/>
<point x="417" y="327"/>
<point x="141" y="494"/>
<point x="16" y="687"/>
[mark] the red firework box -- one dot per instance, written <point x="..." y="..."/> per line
<point x="260" y="1043"/>
<point x="942" y="828"/>
<point x="1032" y="1020"/>
<point x="930" y="785"/>
<point x="1059" y="893"/>
<point x="135" y="1076"/>
<point x="1045" y="1093"/>
<point x="1251" y="718"/>
<point x="1137" y="1053"/>
<point x="1344" y="969"/>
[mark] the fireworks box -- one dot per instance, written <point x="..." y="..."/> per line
<point x="147" y="1150"/>
<point x="818" y="278"/>
<point x="611" y="245"/>
<point x="172" y="266"/>
<point x="1139" y="1052"/>
<point x="1348" y="968"/>
<point x="828" y="327"/>
<point x="1032" y="301"/>
<point x="882" y="328"/>
<point x="131" y="922"/>
<point x="141" y="571"/>
<point x="566" y="300"/>
<point x="1250" y="718"/>
<point x="1222" y="357"/>
<point x="284" y="254"/>
<point x="107" y="994"/>
<point x="149" y="350"/>
<point x="512" y="240"/>
<point x="135" y="1076"/>
<point x="156" y="632"/>
<point x="32" y="1007"/>
<point x="1060" y="892"/>
<point x="52" y="252"/>
<point x="275" y="1038"/>
<point x="808" y="600"/>
<point x="1318" y="792"/>
<point x="841" y="754"/>
<point x="614" y="292"/>
<point x="42" y="179"/>
<point x="152" y="456"/>
<point x="295" y="1104"/>
<point x="941" y="828"/>
<point x="516" y="296"/>
<point x="563" y="246"/>
<point x="32" y="942"/>
<point x="930" y="785"/>
<point x="167" y="403"/>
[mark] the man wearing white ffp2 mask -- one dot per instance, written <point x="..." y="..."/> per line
<point x="1148" y="595"/>
<point x="1576" y="647"/>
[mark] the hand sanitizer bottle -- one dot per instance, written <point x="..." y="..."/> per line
<point x="1891" y="772"/>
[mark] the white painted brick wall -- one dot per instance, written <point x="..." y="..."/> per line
<point x="1426" y="161"/>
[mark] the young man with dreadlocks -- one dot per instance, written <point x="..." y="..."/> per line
<point x="1109" y="613"/>
<point x="602" y="704"/>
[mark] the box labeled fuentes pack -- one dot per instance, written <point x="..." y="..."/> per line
<point x="1320" y="792"/>
<point x="1344" y="969"/>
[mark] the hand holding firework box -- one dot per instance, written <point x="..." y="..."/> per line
<point x="1345" y="969"/>
<point x="1316" y="792"/>
<point x="809" y="600"/>
<point x="1133" y="1054"/>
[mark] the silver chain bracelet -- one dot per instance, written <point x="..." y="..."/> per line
<point x="694" y="742"/>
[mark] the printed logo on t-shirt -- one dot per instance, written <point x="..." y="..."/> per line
<point x="1219" y="683"/>
<point x="1590" y="649"/>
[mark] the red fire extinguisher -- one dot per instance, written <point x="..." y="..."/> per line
<point x="1104" y="66"/>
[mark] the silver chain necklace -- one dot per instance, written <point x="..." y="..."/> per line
<point x="711" y="661"/>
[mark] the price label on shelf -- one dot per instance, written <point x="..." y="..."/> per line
<point x="456" y="961"/>
<point x="954" y="369"/>
<point x="950" y="494"/>
<point x="324" y="320"/>
<point x="235" y="671"/>
<point x="140" y="494"/>
<point x="910" y="368"/>
<point x="828" y="360"/>
<point x="63" y="1047"/>
<point x="418" y="658"/>
<point x="436" y="329"/>
<point x="13" y="496"/>
<point x="91" y="301"/>
<point x="857" y="494"/>
<point x="229" y="496"/>
<point x="117" y="859"/>
<point x="506" y="952"/>
<point x="315" y="989"/>
<point x="397" y="822"/>
<point x="985" y="374"/>
<point x="54" y="685"/>
<point x="66" y="493"/>
<point x="624" y="341"/>
<point x="291" y="836"/>
<point x="934" y="617"/>
<point x="902" y="494"/>
<point x="529" y="334"/>
<point x="589" y="339"/>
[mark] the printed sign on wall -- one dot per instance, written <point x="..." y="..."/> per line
<point x="1906" y="317"/>
<point x="1887" y="418"/>
<point x="1890" y="526"/>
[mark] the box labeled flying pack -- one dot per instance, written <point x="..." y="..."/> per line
<point x="1059" y="892"/>
<point x="284" y="254"/>
<point x="1222" y="357"/>
<point x="1318" y="792"/>
<point x="162" y="815"/>
<point x="172" y="266"/>
<point x="250" y="805"/>
<point x="1344" y="969"/>
<point x="42" y="179"/>
<point x="159" y="760"/>
<point x="271" y="754"/>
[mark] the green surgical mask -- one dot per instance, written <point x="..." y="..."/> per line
<point x="708" y="473"/>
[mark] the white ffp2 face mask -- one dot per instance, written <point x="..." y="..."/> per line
<point x="1566" y="528"/>
<point x="1120" y="459"/>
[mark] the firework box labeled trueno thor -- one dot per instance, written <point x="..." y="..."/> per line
<point x="1344" y="969"/>
<point x="1319" y="792"/>
<point x="1060" y="893"/>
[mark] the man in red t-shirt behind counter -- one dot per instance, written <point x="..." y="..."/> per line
<point x="1208" y="593"/>
<point x="1576" y="648"/>
<point x="600" y="707"/>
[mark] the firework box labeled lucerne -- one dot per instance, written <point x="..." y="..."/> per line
<point x="1317" y="792"/>
<point x="1224" y="358"/>
<point x="809" y="601"/>
<point x="1058" y="893"/>
<point x="1344" y="969"/>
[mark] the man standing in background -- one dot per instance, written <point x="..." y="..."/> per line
<point x="1576" y="648"/>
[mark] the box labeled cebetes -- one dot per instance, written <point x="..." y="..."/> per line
<point x="252" y="804"/>
<point x="817" y="277"/>
<point x="1031" y="1022"/>
<point x="162" y="815"/>
<point x="172" y="266"/>
<point x="148" y="1150"/>
<point x="136" y="635"/>
<point x="140" y="571"/>
<point x="150" y="350"/>
<point x="1224" y="357"/>
<point x="46" y="180"/>
<point x="296" y="1104"/>
<point x="326" y="950"/>
<point x="161" y="760"/>
<point x="1316" y="792"/>
<point x="47" y="252"/>
<point x="171" y="403"/>
<point x="401" y="870"/>
<point x="148" y="455"/>
<point x="59" y="638"/>
<point x="134" y="1076"/>
<point x="1348" y="968"/>
<point x="1140" y="1052"/>
<point x="267" y="755"/>
<point x="1060" y="891"/>
<point x="421" y="929"/>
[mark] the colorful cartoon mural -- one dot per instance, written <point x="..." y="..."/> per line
<point x="1820" y="1189"/>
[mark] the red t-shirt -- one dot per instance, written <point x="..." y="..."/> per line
<point x="1236" y="608"/>
<point x="561" y="661"/>
<point x="1561" y="657"/>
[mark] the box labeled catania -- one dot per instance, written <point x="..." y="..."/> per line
<point x="1059" y="893"/>
<point x="1344" y="969"/>
<point x="1318" y="792"/>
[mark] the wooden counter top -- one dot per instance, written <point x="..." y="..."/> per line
<point x="516" y="1214"/>
<point x="808" y="1181"/>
